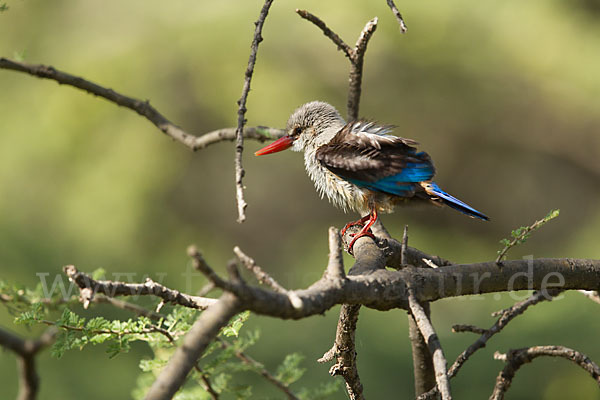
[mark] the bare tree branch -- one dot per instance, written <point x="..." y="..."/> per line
<point x="202" y="333"/>
<point x="516" y="358"/>
<point x="505" y="317"/>
<point x="398" y="16"/>
<point x="206" y="384"/>
<point x="335" y="266"/>
<point x="89" y="287"/>
<point x="344" y="351"/>
<point x="239" y="141"/>
<point x="423" y="370"/>
<point x="435" y="348"/>
<point x="355" y="55"/>
<point x="142" y="107"/>
<point x="339" y="42"/>
<point x="265" y="278"/>
<point x="26" y="350"/>
<point x="124" y="305"/>
<point x="246" y="359"/>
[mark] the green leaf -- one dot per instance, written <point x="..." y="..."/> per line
<point x="233" y="329"/>
<point x="322" y="392"/>
<point x="98" y="274"/>
<point x="33" y="315"/>
<point x="289" y="371"/>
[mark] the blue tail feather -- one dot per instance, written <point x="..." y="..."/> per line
<point x="453" y="202"/>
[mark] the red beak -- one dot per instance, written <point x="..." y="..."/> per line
<point x="278" y="145"/>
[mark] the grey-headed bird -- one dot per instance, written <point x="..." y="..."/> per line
<point x="359" y="166"/>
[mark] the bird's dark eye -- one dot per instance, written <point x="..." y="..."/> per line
<point x="297" y="130"/>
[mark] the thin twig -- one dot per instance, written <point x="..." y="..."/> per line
<point x="246" y="359"/>
<point x="521" y="234"/>
<point x="206" y="383"/>
<point x="267" y="279"/>
<point x="128" y="306"/>
<point x="469" y="328"/>
<point x="239" y="141"/>
<point x="435" y="348"/>
<point x="141" y="107"/>
<point x="150" y="329"/>
<point x="404" y="245"/>
<point x="355" y="55"/>
<point x="258" y="272"/>
<point x="335" y="38"/>
<point x="26" y="350"/>
<point x="506" y="316"/>
<point x="516" y="358"/>
<point x="201" y="265"/>
<point x="398" y="16"/>
<point x="88" y="287"/>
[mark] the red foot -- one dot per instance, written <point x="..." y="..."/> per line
<point x="365" y="231"/>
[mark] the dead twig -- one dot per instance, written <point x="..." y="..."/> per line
<point x="435" y="348"/>
<point x="506" y="316"/>
<point x="516" y="358"/>
<point x="344" y="351"/>
<point x="356" y="56"/>
<point x="142" y="107"/>
<point x="88" y="287"/>
<point x="398" y="16"/>
<point x="26" y="350"/>
<point x="239" y="141"/>
<point x="246" y="359"/>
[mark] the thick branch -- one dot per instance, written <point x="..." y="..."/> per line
<point x="202" y="333"/>
<point x="516" y="358"/>
<point x="239" y="141"/>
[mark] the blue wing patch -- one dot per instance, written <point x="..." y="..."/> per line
<point x="401" y="184"/>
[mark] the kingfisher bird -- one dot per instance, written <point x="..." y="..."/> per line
<point x="359" y="166"/>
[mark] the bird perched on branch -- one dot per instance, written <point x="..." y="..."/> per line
<point x="360" y="166"/>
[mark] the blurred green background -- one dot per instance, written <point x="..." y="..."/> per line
<point x="502" y="94"/>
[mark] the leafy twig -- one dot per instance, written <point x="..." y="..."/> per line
<point x="520" y="235"/>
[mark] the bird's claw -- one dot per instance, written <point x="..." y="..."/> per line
<point x="356" y="236"/>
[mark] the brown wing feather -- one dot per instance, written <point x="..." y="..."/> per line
<point x="368" y="157"/>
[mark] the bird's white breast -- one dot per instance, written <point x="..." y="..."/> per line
<point x="340" y="192"/>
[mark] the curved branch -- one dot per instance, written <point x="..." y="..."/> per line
<point x="516" y="358"/>
<point x="141" y="107"/>
<point x="26" y="350"/>
<point x="506" y="316"/>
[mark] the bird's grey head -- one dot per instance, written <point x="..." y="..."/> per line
<point x="313" y="124"/>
